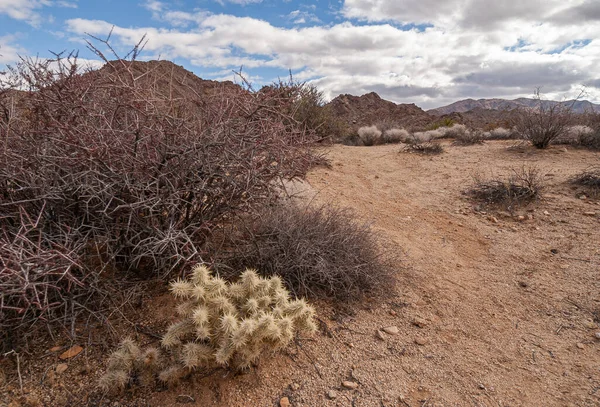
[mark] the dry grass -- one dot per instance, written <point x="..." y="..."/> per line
<point x="427" y="148"/>
<point x="589" y="179"/>
<point x="521" y="187"/>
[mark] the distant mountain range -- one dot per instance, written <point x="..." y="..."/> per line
<point x="462" y="106"/>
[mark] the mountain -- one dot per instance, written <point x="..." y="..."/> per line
<point x="578" y="106"/>
<point x="370" y="109"/>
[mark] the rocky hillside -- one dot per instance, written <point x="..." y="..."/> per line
<point x="578" y="106"/>
<point x="371" y="109"/>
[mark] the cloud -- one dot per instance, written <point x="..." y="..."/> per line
<point x="9" y="52"/>
<point x="461" y="52"/>
<point x="29" y="10"/>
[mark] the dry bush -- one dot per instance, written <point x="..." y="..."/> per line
<point x="521" y="187"/>
<point x="544" y="123"/>
<point x="590" y="140"/>
<point x="500" y="133"/>
<point x="392" y="136"/>
<point x="469" y="138"/>
<point x="319" y="252"/>
<point x="457" y="131"/>
<point x="369" y="135"/>
<point x="426" y="148"/>
<point x="127" y="170"/>
<point x="589" y="179"/>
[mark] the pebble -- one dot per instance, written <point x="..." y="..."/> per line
<point x="294" y="386"/>
<point x="284" y="402"/>
<point x="493" y="219"/>
<point x="520" y="218"/>
<point x="350" y="385"/>
<point x="590" y="324"/>
<point x="582" y="197"/>
<point x="61" y="368"/>
<point x="332" y="394"/>
<point x="589" y="213"/>
<point x="392" y="330"/>
<point x="597" y="335"/>
<point x="420" y="322"/>
<point x="546" y="213"/>
<point x="380" y="335"/>
<point x="393" y="313"/>
<point x="421" y="341"/>
<point x="580" y="345"/>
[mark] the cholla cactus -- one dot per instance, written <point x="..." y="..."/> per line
<point x="234" y="323"/>
<point x="221" y="324"/>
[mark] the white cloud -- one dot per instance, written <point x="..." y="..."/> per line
<point x="9" y="52"/>
<point x="461" y="53"/>
<point x="29" y="10"/>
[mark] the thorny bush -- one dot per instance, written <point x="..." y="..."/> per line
<point x="124" y="171"/>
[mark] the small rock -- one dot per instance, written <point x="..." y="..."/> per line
<point x="332" y="394"/>
<point x="597" y="335"/>
<point x="582" y="197"/>
<point x="71" y="352"/>
<point x="55" y="349"/>
<point x="590" y="324"/>
<point x="284" y="402"/>
<point x="61" y="368"/>
<point x="493" y="219"/>
<point x="380" y="335"/>
<point x="580" y="345"/>
<point x="421" y="341"/>
<point x="393" y="313"/>
<point x="589" y="213"/>
<point x="392" y="330"/>
<point x="520" y="218"/>
<point x="295" y="386"/>
<point x="350" y="385"/>
<point x="420" y="322"/>
<point x="546" y="213"/>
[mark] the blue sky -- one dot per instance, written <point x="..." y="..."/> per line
<point x="428" y="52"/>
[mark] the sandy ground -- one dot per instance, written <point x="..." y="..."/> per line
<point x="491" y="311"/>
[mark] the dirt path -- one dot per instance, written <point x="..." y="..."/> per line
<point x="487" y="314"/>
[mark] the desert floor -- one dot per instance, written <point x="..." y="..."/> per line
<point x="491" y="310"/>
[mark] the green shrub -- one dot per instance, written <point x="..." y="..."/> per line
<point x="445" y="122"/>
<point x="222" y="324"/>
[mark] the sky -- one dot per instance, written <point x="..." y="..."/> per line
<point x="427" y="52"/>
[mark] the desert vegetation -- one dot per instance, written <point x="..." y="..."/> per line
<point x="123" y="172"/>
<point x="589" y="180"/>
<point x="320" y="252"/>
<point x="521" y="187"/>
<point x="222" y="324"/>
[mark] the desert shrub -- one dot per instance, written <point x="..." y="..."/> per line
<point x="125" y="169"/>
<point x="425" y="136"/>
<point x="309" y="110"/>
<point x="221" y="324"/>
<point x="393" y="135"/>
<point x="426" y="148"/>
<point x="469" y="138"/>
<point x="445" y="122"/>
<point x="590" y="140"/>
<point x="521" y="187"/>
<point x="500" y="133"/>
<point x="544" y="123"/>
<point x="457" y="131"/>
<point x="319" y="251"/>
<point x="369" y="135"/>
<point x="589" y="179"/>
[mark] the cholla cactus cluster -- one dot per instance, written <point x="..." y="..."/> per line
<point x="222" y="324"/>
